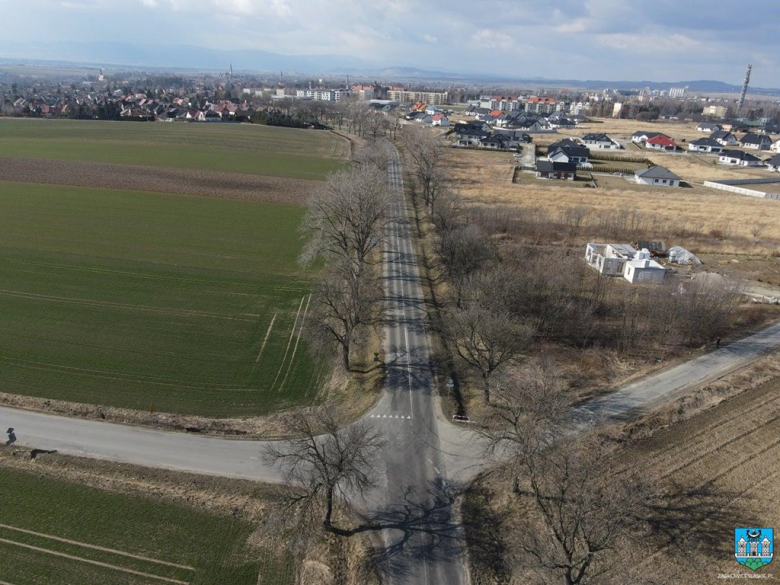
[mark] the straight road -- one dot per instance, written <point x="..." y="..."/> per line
<point x="422" y="448"/>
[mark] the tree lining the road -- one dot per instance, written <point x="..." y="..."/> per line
<point x="345" y="226"/>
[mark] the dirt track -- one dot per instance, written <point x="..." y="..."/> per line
<point x="156" y="179"/>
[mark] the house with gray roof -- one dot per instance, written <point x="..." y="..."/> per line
<point x="601" y="141"/>
<point x="756" y="141"/>
<point x="739" y="158"/>
<point x="657" y="176"/>
<point x="705" y="145"/>
<point x="723" y="137"/>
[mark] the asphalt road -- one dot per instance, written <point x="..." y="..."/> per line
<point x="670" y="383"/>
<point x="426" y="458"/>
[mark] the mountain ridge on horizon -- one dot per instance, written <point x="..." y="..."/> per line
<point x="178" y="57"/>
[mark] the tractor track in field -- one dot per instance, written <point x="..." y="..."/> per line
<point x="157" y="179"/>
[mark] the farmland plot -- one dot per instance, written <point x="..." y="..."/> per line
<point x="191" y="305"/>
<point x="726" y="460"/>
<point x="235" y="148"/>
<point x="58" y="532"/>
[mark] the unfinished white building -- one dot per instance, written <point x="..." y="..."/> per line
<point x="609" y="259"/>
<point x="623" y="260"/>
<point x="643" y="270"/>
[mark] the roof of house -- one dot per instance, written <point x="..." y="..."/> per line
<point x="753" y="138"/>
<point x="708" y="125"/>
<point x="774" y="161"/>
<point x="720" y="134"/>
<point x="596" y="137"/>
<point x="705" y="141"/>
<point x="648" y="134"/>
<point x="661" y="139"/>
<point x="570" y="151"/>
<point x="656" y="173"/>
<point x="548" y="166"/>
<point x="739" y="155"/>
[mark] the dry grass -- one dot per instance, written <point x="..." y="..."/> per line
<point x="484" y="178"/>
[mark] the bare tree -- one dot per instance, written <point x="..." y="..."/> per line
<point x="583" y="511"/>
<point x="344" y="307"/>
<point x="425" y="151"/>
<point x="346" y="216"/>
<point x="487" y="339"/>
<point x="580" y="511"/>
<point x="376" y="124"/>
<point x="463" y="250"/>
<point x="326" y="466"/>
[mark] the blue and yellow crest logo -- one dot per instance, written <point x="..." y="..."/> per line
<point x="754" y="547"/>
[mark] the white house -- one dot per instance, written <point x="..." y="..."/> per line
<point x="775" y="146"/>
<point x="705" y="145"/>
<point x="642" y="270"/>
<point x="601" y="142"/>
<point x="642" y="136"/>
<point x="724" y="138"/>
<point x="708" y="127"/>
<point x="774" y="163"/>
<point x="658" y="176"/>
<point x="440" y="120"/>
<point x="756" y="141"/>
<point x="739" y="159"/>
<point x="568" y="151"/>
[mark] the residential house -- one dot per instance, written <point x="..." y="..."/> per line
<point x="705" y="145"/>
<point x="708" y="127"/>
<point x="774" y="164"/>
<point x="561" y="122"/>
<point x="568" y="151"/>
<point x="642" y="136"/>
<point x="212" y="116"/>
<point x="657" y="176"/>
<point x="440" y="120"/>
<point x="470" y="134"/>
<point x="756" y="141"/>
<point x="775" y="146"/>
<point x="739" y="158"/>
<point x="661" y="142"/>
<point x="547" y="169"/>
<point x="600" y="142"/>
<point x="724" y="138"/>
<point x="495" y="142"/>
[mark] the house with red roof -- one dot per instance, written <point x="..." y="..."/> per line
<point x="661" y="143"/>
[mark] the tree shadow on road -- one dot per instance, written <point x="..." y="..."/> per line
<point x="421" y="528"/>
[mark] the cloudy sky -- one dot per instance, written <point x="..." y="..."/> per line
<point x="660" y="40"/>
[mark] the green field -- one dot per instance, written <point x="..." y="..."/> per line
<point x="212" y="548"/>
<point x="236" y="148"/>
<point x="136" y="299"/>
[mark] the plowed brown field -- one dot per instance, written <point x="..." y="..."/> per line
<point x="720" y="470"/>
<point x="157" y="179"/>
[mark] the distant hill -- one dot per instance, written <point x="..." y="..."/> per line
<point x="184" y="57"/>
